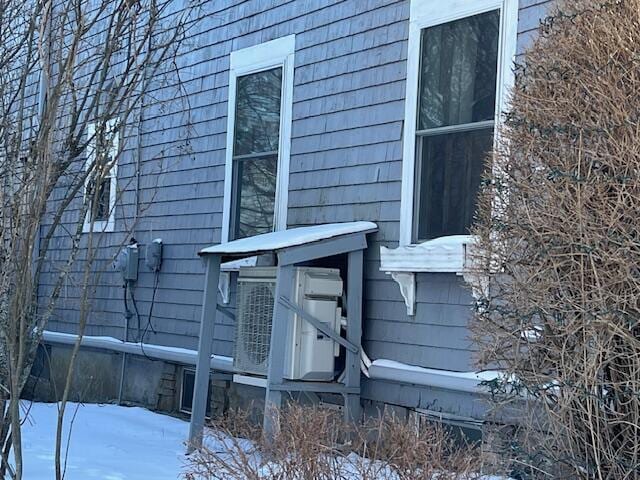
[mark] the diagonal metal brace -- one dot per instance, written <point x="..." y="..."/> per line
<point x="226" y="312"/>
<point x="318" y="324"/>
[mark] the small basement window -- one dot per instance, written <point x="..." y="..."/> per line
<point x="186" y="392"/>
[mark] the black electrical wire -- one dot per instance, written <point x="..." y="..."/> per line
<point x="135" y="308"/>
<point x="125" y="299"/>
<point x="156" y="278"/>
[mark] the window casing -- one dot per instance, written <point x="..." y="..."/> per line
<point x="258" y="139"/>
<point x="458" y="74"/>
<point x="102" y="154"/>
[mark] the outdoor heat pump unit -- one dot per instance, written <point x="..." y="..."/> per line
<point x="309" y="354"/>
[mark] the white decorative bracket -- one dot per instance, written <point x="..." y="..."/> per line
<point x="226" y="268"/>
<point x="224" y="286"/>
<point x="407" y="282"/>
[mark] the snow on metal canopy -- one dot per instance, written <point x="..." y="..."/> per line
<point x="268" y="242"/>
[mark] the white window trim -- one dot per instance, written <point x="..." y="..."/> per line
<point x="100" y="226"/>
<point x="265" y="56"/>
<point x="449" y="253"/>
<point x="429" y="13"/>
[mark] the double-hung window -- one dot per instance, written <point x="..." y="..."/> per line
<point x="258" y="138"/>
<point x="459" y="67"/>
<point x="102" y="176"/>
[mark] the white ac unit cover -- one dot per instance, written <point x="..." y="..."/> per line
<point x="309" y="354"/>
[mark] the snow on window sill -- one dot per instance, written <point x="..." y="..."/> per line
<point x="99" y="226"/>
<point x="441" y="255"/>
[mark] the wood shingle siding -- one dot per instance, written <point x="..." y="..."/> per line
<point x="346" y="165"/>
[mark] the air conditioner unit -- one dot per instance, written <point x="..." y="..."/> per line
<point x="309" y="354"/>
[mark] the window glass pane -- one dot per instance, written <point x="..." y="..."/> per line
<point x="458" y="71"/>
<point x="451" y="167"/>
<point x="255" y="195"/>
<point x="102" y="149"/>
<point x="104" y="194"/>
<point x="257" y="122"/>
<point x="186" y="399"/>
<point x="101" y="211"/>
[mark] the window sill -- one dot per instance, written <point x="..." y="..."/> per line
<point x="441" y="255"/>
<point x="98" y="227"/>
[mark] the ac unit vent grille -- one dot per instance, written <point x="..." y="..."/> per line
<point x="253" y="330"/>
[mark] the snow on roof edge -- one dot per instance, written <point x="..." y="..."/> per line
<point x="268" y="242"/>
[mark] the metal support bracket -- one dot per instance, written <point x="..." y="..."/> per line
<point x="323" y="327"/>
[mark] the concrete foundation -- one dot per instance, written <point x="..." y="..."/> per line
<point x="150" y="383"/>
<point x="96" y="378"/>
<point x="157" y="385"/>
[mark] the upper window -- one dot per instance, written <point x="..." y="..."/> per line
<point x="457" y="68"/>
<point x="456" y="115"/>
<point x="101" y="182"/>
<point x="260" y="97"/>
<point x="255" y="152"/>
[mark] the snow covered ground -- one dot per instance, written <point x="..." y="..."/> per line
<point x="107" y="442"/>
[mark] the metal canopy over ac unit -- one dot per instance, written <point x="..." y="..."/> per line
<point x="291" y="248"/>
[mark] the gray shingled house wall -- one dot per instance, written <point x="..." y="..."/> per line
<point x="346" y="161"/>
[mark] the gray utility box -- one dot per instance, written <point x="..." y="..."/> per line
<point x="126" y="262"/>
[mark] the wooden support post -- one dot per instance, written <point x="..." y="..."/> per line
<point x="353" y="409"/>
<point x="279" y="329"/>
<point x="205" y="347"/>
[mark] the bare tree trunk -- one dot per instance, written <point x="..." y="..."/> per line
<point x="5" y="441"/>
<point x="16" y="435"/>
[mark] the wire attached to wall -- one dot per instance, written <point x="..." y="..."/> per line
<point x="149" y="325"/>
<point x="135" y="307"/>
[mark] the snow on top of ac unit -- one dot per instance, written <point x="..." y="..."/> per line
<point x="268" y="242"/>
